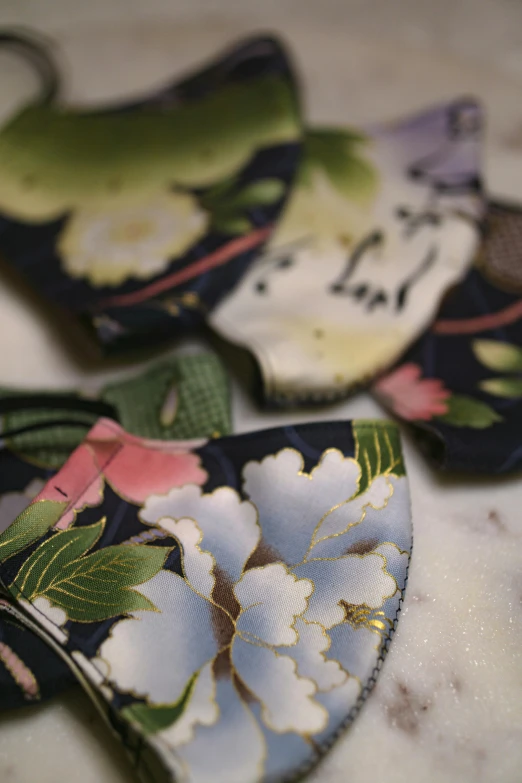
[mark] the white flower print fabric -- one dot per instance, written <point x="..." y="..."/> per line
<point x="252" y="650"/>
<point x="131" y="241"/>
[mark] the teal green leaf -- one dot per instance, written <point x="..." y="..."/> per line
<point x="338" y="153"/>
<point x="93" y="587"/>
<point x="465" y="411"/>
<point x="153" y="719"/>
<point x="29" y="526"/>
<point x="495" y="355"/>
<point x="377" y="450"/>
<point x="503" y="387"/>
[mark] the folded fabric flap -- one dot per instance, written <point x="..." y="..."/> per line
<point x="225" y="600"/>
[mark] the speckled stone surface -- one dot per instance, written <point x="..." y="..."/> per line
<point x="448" y="703"/>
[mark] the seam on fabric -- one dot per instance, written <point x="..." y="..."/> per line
<point x="366" y="691"/>
<point x="281" y="400"/>
<point x="83" y="490"/>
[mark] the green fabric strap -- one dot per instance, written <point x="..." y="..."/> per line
<point x="177" y="399"/>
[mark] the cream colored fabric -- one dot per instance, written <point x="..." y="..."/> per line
<point x="381" y="222"/>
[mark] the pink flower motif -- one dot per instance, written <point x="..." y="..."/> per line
<point x="134" y="467"/>
<point x="410" y="396"/>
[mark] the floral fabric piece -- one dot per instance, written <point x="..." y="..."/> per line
<point x="183" y="397"/>
<point x="232" y="623"/>
<point x="381" y="222"/>
<point x="460" y="385"/>
<point x="138" y="218"/>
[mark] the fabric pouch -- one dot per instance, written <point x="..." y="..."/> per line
<point x="460" y="385"/>
<point x="183" y="397"/>
<point x="139" y="217"/>
<point x="227" y="603"/>
<point x="381" y="222"/>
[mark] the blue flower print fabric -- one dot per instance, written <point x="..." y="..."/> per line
<point x="227" y="603"/>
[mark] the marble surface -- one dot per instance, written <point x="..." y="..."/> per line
<point x="448" y="704"/>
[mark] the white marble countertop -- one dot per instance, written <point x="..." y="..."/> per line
<point x="448" y="704"/>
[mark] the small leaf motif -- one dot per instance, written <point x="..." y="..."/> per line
<point x="29" y="526"/>
<point x="227" y="205"/>
<point x="464" y="411"/>
<point x="45" y="566"/>
<point x="231" y="224"/>
<point x="378" y="452"/>
<point x="496" y="355"/>
<point x="260" y="193"/>
<point x="93" y="587"/>
<point x="263" y="192"/>
<point x="511" y="388"/>
<point x="152" y="719"/>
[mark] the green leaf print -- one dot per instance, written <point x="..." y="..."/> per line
<point x="338" y="154"/>
<point x="47" y="563"/>
<point x="503" y="387"/>
<point x="503" y="357"/>
<point x="496" y="355"/>
<point x="377" y="450"/>
<point x="152" y="719"/>
<point x="265" y="191"/>
<point x="231" y="224"/>
<point x="227" y="205"/>
<point x="29" y="526"/>
<point x="464" y="411"/>
<point x="89" y="587"/>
